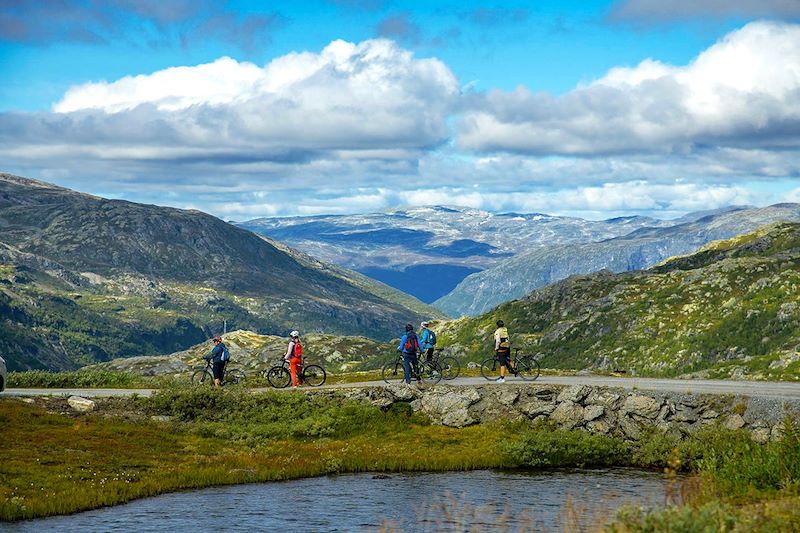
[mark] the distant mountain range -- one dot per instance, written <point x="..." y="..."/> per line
<point x="427" y="251"/>
<point x="84" y="279"/>
<point x="729" y="310"/>
<point x="642" y="248"/>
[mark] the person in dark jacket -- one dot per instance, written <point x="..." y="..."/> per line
<point x="218" y="364"/>
<point x="409" y="347"/>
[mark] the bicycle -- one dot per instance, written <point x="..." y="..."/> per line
<point x="279" y="376"/>
<point x="523" y="366"/>
<point x="429" y="373"/>
<point x="230" y="376"/>
<point x="451" y="368"/>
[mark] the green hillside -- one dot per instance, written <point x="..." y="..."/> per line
<point x="84" y="279"/>
<point x="732" y="309"/>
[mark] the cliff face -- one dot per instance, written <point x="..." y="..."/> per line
<point x="731" y="309"/>
<point x="84" y="279"/>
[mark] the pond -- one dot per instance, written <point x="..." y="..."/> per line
<point x="484" y="500"/>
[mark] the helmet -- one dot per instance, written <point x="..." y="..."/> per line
<point x="409" y="327"/>
<point x="295" y="333"/>
<point x="217" y="338"/>
<point x="500" y="323"/>
<point x="425" y="324"/>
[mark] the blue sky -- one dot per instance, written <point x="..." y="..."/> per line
<point x="244" y="109"/>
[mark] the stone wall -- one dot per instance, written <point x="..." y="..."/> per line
<point x="620" y="412"/>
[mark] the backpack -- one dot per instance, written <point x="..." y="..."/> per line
<point x="412" y="344"/>
<point x="297" y="349"/>
<point x="431" y="337"/>
<point x="225" y="355"/>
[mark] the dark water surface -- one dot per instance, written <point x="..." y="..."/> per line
<point x="449" y="501"/>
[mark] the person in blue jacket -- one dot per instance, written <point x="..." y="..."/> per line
<point x="409" y="347"/>
<point x="427" y="340"/>
<point x="217" y="358"/>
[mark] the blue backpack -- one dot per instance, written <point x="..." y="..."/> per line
<point x="431" y="337"/>
<point x="225" y="355"/>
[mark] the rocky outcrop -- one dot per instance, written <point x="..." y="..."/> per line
<point x="617" y="412"/>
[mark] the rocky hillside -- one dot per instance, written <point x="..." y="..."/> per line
<point x="427" y="251"/>
<point x="255" y="353"/>
<point x="643" y="248"/>
<point x="84" y="279"/>
<point x="731" y="309"/>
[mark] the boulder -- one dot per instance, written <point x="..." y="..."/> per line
<point x="568" y="415"/>
<point x="574" y="394"/>
<point x="641" y="406"/>
<point x="735" y="421"/>
<point x="81" y="404"/>
<point x="592" y="412"/>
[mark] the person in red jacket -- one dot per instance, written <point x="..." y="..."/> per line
<point x="294" y="355"/>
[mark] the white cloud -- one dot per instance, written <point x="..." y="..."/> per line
<point x="744" y="91"/>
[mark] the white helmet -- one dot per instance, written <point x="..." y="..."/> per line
<point x="295" y="333"/>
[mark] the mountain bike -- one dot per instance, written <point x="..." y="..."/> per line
<point x="280" y="377"/>
<point x="523" y="366"/>
<point x="428" y="373"/>
<point x="451" y="368"/>
<point x="230" y="376"/>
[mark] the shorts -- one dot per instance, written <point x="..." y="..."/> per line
<point x="504" y="356"/>
<point x="217" y="369"/>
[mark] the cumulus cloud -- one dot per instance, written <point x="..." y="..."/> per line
<point x="654" y="11"/>
<point x="742" y="91"/>
<point x="367" y="97"/>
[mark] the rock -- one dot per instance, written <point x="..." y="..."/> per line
<point x="592" y="412"/>
<point x="161" y="418"/>
<point x="603" y="397"/>
<point x="642" y="406"/>
<point x="602" y="426"/>
<point x="568" y="415"/>
<point x="760" y="435"/>
<point x="735" y="421"/>
<point x="507" y="396"/>
<point x="630" y="428"/>
<point x="402" y="392"/>
<point x="709" y="414"/>
<point x="685" y="414"/>
<point x="534" y="407"/>
<point x="574" y="394"/>
<point x="81" y="404"/>
<point x="449" y="406"/>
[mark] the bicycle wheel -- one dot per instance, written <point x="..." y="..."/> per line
<point x="314" y="375"/>
<point x="528" y="368"/>
<point x="392" y="372"/>
<point x="235" y="376"/>
<point x="450" y="367"/>
<point x="430" y="373"/>
<point x="202" y="377"/>
<point x="490" y="369"/>
<point x="278" y="377"/>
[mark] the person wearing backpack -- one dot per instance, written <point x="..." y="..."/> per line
<point x="219" y="357"/>
<point x="409" y="347"/>
<point x="502" y="347"/>
<point x="294" y="355"/>
<point x="427" y="341"/>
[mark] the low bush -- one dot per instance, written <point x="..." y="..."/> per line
<point x="543" y="446"/>
<point x="75" y="379"/>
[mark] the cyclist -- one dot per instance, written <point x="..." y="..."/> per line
<point x="502" y="348"/>
<point x="217" y="357"/>
<point x="409" y="346"/>
<point x="294" y="355"/>
<point x="427" y="339"/>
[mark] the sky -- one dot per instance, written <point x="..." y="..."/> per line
<point x="244" y="109"/>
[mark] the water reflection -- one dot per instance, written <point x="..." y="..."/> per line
<point x="449" y="501"/>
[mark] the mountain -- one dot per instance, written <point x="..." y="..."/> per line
<point x="85" y="279"/>
<point x="427" y="251"/>
<point x="729" y="310"/>
<point x="641" y="248"/>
